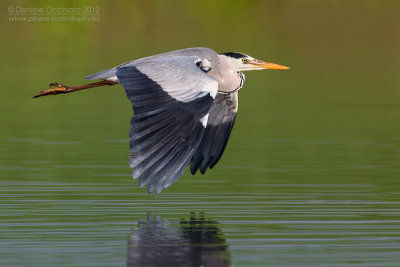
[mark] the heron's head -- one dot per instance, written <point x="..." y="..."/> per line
<point x="242" y="62"/>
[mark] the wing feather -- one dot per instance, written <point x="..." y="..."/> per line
<point x="221" y="119"/>
<point x="170" y="97"/>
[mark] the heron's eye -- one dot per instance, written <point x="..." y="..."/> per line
<point x="244" y="60"/>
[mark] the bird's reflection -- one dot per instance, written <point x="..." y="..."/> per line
<point x="194" y="242"/>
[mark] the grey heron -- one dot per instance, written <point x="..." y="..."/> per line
<point x="184" y="103"/>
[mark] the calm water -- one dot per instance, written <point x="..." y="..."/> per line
<point x="310" y="176"/>
<point x="77" y="213"/>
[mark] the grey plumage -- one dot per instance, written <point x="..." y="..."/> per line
<point x="201" y="52"/>
<point x="185" y="104"/>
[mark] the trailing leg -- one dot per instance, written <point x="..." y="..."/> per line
<point x="63" y="89"/>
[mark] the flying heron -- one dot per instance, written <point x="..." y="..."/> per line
<point x="185" y="104"/>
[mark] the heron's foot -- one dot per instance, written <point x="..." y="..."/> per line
<point x="61" y="89"/>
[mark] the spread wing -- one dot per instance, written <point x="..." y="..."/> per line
<point x="221" y="119"/>
<point x="171" y="98"/>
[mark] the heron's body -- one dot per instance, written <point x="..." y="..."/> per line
<point x="185" y="104"/>
<point x="227" y="79"/>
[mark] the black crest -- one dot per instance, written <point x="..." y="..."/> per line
<point x="235" y="55"/>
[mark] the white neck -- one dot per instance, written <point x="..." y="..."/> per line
<point x="229" y="63"/>
<point x="226" y="74"/>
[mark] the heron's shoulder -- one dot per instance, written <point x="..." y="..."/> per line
<point x="197" y="51"/>
<point x="200" y="52"/>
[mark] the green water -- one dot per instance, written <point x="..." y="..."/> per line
<point x="310" y="176"/>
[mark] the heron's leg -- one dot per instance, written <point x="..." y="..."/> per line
<point x="63" y="89"/>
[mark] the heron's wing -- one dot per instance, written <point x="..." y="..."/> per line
<point x="221" y="119"/>
<point x="201" y="52"/>
<point x="171" y="98"/>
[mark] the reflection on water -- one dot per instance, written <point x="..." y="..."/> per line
<point x="196" y="241"/>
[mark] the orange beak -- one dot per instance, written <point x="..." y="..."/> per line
<point x="268" y="65"/>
